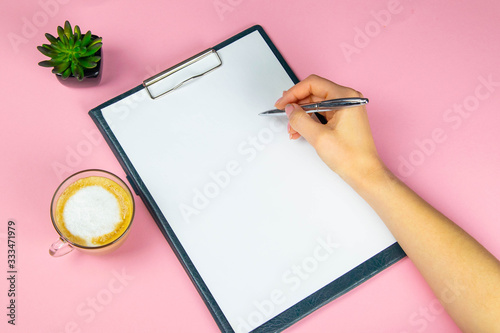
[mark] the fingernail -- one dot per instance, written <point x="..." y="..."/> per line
<point x="288" y="128"/>
<point x="289" y="109"/>
<point x="290" y="136"/>
<point x="279" y="99"/>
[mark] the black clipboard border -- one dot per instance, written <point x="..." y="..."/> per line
<point x="331" y="291"/>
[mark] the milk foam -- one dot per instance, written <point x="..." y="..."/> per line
<point x="91" y="212"/>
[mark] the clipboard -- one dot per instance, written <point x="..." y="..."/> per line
<point x="265" y="240"/>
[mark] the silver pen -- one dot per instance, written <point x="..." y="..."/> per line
<point x="328" y="105"/>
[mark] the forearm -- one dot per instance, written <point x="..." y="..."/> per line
<point x="462" y="274"/>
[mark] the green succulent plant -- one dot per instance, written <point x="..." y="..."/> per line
<point x="71" y="53"/>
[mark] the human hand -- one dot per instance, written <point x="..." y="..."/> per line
<point x="430" y="239"/>
<point x="345" y="142"/>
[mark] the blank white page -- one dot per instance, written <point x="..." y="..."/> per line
<point x="264" y="221"/>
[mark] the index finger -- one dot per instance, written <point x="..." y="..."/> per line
<point x="315" y="88"/>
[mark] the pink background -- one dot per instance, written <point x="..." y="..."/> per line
<point x="414" y="66"/>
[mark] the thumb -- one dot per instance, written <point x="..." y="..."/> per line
<point x="303" y="123"/>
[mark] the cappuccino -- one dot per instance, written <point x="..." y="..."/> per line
<point x="93" y="211"/>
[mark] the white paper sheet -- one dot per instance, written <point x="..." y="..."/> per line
<point x="265" y="222"/>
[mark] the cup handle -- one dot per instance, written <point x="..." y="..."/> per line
<point x="60" y="248"/>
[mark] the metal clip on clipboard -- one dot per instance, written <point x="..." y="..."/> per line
<point x="174" y="77"/>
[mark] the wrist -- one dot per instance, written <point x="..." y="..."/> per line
<point x="367" y="175"/>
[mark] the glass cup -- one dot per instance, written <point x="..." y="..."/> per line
<point x="64" y="244"/>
